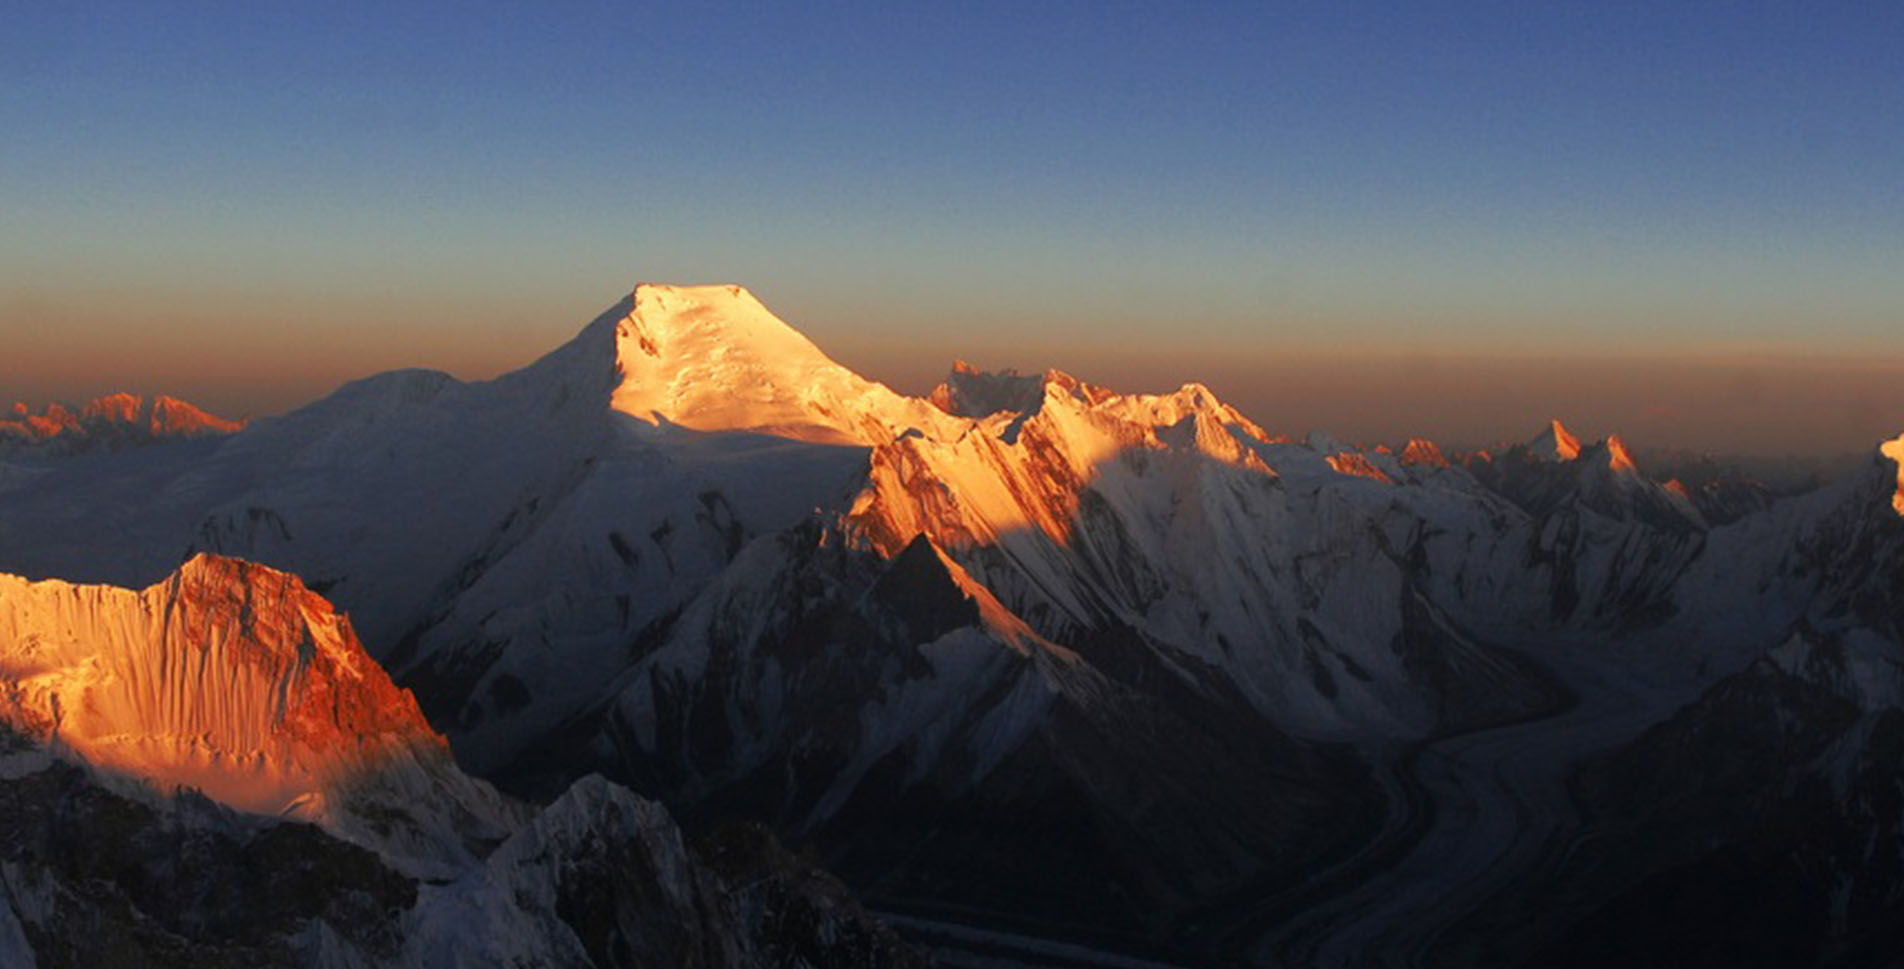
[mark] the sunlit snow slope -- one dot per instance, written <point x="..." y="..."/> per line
<point x="712" y="358"/>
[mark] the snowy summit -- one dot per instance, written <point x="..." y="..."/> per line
<point x="712" y="358"/>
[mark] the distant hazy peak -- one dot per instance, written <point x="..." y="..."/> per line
<point x="1618" y="457"/>
<point x="1423" y="453"/>
<point x="121" y="407"/>
<point x="1894" y="450"/>
<point x="970" y="392"/>
<point x="115" y="420"/>
<point x="1555" y="443"/>
<point x="171" y="416"/>
<point x="1609" y="455"/>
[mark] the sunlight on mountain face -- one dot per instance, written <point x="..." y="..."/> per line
<point x="711" y="358"/>
<point x="687" y="549"/>
<point x="228" y="677"/>
<point x="1894" y="449"/>
<point x="1238" y="598"/>
<point x="1356" y="464"/>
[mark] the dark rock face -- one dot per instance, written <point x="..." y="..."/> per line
<point x="797" y="913"/>
<point x="1058" y="789"/>
<point x="1731" y="838"/>
<point x="98" y="879"/>
<point x="601" y="878"/>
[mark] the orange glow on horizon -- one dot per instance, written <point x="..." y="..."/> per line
<point x="240" y="356"/>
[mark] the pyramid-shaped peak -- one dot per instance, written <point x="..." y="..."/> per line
<point x="713" y="358"/>
<point x="1555" y="443"/>
<point x="1618" y="457"/>
<point x="1610" y="454"/>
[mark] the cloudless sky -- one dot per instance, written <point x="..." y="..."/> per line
<point x="1683" y="221"/>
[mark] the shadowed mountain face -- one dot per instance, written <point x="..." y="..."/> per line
<point x="1033" y="657"/>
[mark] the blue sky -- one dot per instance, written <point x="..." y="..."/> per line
<point x="318" y="191"/>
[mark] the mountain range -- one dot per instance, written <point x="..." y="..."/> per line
<point x="111" y="422"/>
<point x="1034" y="667"/>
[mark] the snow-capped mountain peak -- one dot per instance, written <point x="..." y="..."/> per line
<point x="1609" y="457"/>
<point x="712" y="358"/>
<point x="1555" y="443"/>
<point x="1029" y="605"/>
<point x="1618" y="457"/>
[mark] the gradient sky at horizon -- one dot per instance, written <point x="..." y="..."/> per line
<point x="1684" y="221"/>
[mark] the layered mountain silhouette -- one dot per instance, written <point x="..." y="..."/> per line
<point x="1025" y="659"/>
